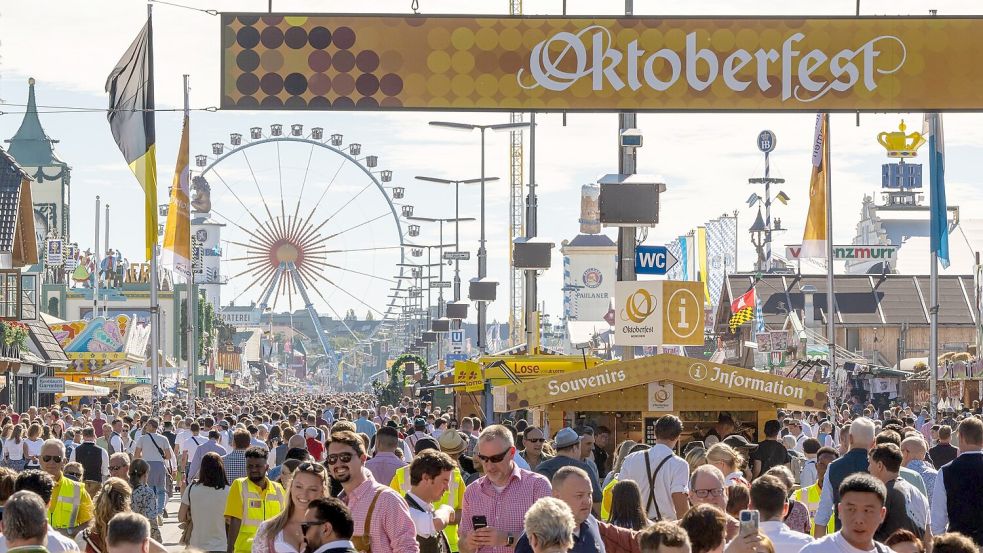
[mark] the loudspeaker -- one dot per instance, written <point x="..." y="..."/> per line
<point x="458" y="310"/>
<point x="629" y="205"/>
<point x="440" y="325"/>
<point x="529" y="253"/>
<point x="482" y="290"/>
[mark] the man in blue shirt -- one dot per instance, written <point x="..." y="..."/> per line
<point x="363" y="424"/>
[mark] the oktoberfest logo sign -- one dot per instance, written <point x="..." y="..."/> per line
<point x="369" y="62"/>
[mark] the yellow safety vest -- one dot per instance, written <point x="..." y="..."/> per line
<point x="401" y="483"/>
<point x="606" y="495"/>
<point x="811" y="500"/>
<point x="257" y="506"/>
<point x="65" y="503"/>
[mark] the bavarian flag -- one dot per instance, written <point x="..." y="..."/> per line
<point x="177" y="230"/>
<point x="742" y="309"/>
<point x="131" y="118"/>
<point x="814" y="237"/>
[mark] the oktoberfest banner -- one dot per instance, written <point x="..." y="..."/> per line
<point x="392" y="62"/>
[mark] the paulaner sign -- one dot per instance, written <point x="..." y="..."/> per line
<point x="363" y="62"/>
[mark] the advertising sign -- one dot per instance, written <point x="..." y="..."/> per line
<point x="393" y="62"/>
<point x="764" y="341"/>
<point x="651" y="313"/>
<point x="852" y="251"/>
<point x="55" y="252"/>
<point x="51" y="385"/>
<point x="660" y="396"/>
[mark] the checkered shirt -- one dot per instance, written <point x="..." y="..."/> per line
<point x="505" y="511"/>
<point x="391" y="528"/>
<point x="235" y="464"/>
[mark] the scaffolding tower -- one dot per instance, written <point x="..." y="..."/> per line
<point x="517" y="228"/>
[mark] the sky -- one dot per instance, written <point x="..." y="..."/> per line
<point x="705" y="159"/>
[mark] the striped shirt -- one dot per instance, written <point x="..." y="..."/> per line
<point x="505" y="510"/>
<point x="391" y="529"/>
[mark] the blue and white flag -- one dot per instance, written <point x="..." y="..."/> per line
<point x="939" y="224"/>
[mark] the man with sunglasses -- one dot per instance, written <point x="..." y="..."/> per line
<point x="328" y="527"/>
<point x="533" y="440"/>
<point x="71" y="508"/>
<point x="381" y="516"/>
<point x="500" y="498"/>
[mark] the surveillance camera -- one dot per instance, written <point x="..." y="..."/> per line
<point x="631" y="138"/>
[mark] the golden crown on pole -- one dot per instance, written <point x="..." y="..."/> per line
<point x="899" y="144"/>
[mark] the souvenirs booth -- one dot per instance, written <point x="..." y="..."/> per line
<point x="629" y="397"/>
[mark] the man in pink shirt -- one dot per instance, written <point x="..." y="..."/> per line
<point x="381" y="516"/>
<point x="500" y="498"/>
<point x="385" y="463"/>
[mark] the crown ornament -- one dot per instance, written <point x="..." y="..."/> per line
<point x="899" y="144"/>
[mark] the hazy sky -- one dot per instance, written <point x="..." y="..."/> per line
<point x="705" y="159"/>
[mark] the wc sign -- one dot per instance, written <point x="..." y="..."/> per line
<point x="653" y="260"/>
<point x="457" y="341"/>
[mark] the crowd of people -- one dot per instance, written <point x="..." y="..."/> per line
<point x="337" y="473"/>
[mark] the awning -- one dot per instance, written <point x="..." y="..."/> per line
<point x="77" y="389"/>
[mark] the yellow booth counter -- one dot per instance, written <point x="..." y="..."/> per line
<point x="629" y="396"/>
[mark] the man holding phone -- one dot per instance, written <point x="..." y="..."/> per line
<point x="769" y="497"/>
<point x="495" y="505"/>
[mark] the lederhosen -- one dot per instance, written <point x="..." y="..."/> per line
<point x="432" y="544"/>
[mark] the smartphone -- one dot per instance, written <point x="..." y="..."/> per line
<point x="479" y="522"/>
<point x="749" y="522"/>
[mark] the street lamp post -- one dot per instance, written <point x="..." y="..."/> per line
<point x="482" y="251"/>
<point x="457" y="219"/>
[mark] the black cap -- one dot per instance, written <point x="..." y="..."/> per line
<point x="424" y="444"/>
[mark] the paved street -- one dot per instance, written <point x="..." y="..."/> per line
<point x="170" y="531"/>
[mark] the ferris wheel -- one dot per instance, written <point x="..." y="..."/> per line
<point x="309" y="221"/>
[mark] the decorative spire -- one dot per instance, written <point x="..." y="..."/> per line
<point x="31" y="146"/>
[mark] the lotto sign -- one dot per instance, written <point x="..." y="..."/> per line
<point x="393" y="62"/>
<point x="649" y="313"/>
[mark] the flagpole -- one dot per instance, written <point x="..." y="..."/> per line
<point x="191" y="292"/>
<point x="830" y="295"/>
<point x="933" y="335"/>
<point x="154" y="280"/>
<point x="95" y="268"/>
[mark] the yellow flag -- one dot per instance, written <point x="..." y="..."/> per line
<point x="814" y="238"/>
<point x="177" y="233"/>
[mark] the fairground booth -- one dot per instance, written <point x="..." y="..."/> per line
<point x="628" y="397"/>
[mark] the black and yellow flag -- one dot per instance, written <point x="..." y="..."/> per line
<point x="131" y="118"/>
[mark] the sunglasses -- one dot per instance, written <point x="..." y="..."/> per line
<point x="535" y="440"/>
<point x="316" y="468"/>
<point x="335" y="457"/>
<point x="494" y="458"/>
<point x="703" y="494"/>
<point x="74" y="475"/>
<point x="305" y="526"/>
<point x="50" y="458"/>
<point x="117" y="467"/>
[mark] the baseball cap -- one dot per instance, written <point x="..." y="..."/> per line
<point x="424" y="444"/>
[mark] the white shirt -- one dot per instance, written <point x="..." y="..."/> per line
<point x="13" y="450"/>
<point x="939" y="504"/>
<point x="190" y="445"/>
<point x="116" y="442"/>
<point x="836" y="543"/>
<point x="784" y="538"/>
<point x="423" y="520"/>
<point x="673" y="478"/>
<point x="809" y="474"/>
<point x="56" y="542"/>
<point x="798" y="442"/>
